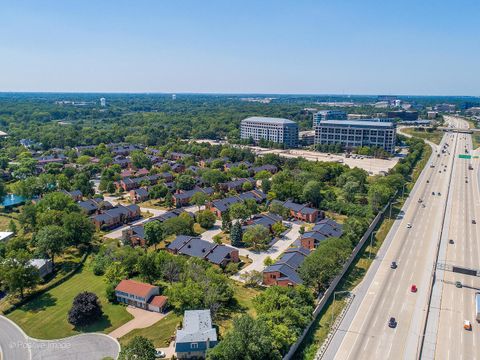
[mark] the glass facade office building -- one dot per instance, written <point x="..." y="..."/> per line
<point x="277" y="130"/>
<point x="352" y="134"/>
<point x="328" y="115"/>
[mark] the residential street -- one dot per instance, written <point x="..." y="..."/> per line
<point x="16" y="345"/>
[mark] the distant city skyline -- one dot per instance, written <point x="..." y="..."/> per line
<point x="241" y="47"/>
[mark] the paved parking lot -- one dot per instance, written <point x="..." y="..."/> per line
<point x="15" y="344"/>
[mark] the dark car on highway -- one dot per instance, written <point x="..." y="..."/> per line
<point x="392" y="323"/>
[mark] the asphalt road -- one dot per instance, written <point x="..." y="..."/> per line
<point x="458" y="304"/>
<point x="16" y="345"/>
<point x="367" y="335"/>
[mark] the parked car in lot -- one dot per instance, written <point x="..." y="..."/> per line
<point x="467" y="325"/>
<point x="450" y="241"/>
<point x="413" y="288"/>
<point x="458" y="284"/>
<point x="409" y="226"/>
<point x="473" y="221"/>
<point x="393" y="265"/>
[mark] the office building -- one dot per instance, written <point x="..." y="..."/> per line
<point x="328" y="115"/>
<point x="448" y="108"/>
<point x="103" y="102"/>
<point x="306" y="138"/>
<point x="403" y="115"/>
<point x="281" y="131"/>
<point x="356" y="133"/>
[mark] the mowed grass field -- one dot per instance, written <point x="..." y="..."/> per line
<point x="160" y="333"/>
<point x="434" y="136"/>
<point x="45" y="317"/>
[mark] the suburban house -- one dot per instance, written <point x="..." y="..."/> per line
<point x="124" y="149"/>
<point x="267" y="220"/>
<point x="301" y="212"/>
<point x="236" y="185"/>
<point x="178" y="168"/>
<point x="91" y="206"/>
<point x="127" y="184"/>
<point x="6" y="235"/>
<point x="178" y="156"/>
<point x="284" y="271"/>
<point x="193" y="246"/>
<point x="44" y="266"/>
<point x="136" y="234"/>
<point x="76" y="195"/>
<point x="268" y="167"/>
<point x="138" y="195"/>
<point x="196" y="335"/>
<point x="140" y="295"/>
<point x="122" y="161"/>
<point x="220" y="206"/>
<point x="322" y="230"/>
<point x="116" y="216"/>
<point x="183" y="198"/>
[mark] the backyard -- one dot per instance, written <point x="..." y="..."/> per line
<point x="163" y="331"/>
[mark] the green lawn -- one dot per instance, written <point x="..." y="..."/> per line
<point x="160" y="333"/>
<point x="45" y="317"/>
<point x="5" y="221"/>
<point x="434" y="136"/>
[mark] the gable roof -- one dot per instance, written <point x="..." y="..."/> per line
<point x="197" y="327"/>
<point x="135" y="287"/>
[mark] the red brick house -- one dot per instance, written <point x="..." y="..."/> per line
<point x="284" y="271"/>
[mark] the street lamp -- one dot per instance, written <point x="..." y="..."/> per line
<point x="333" y="304"/>
<point x="371" y="244"/>
<point x="403" y="189"/>
<point x="392" y="203"/>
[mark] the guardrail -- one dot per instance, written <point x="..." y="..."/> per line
<point x="336" y="324"/>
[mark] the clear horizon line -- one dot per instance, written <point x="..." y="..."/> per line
<point x="230" y="93"/>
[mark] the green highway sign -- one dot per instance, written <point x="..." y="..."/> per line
<point x="463" y="156"/>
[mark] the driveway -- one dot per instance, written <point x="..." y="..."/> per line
<point x="15" y="344"/>
<point x="141" y="319"/>
<point x="169" y="351"/>
<point x="215" y="230"/>
<point x="273" y="252"/>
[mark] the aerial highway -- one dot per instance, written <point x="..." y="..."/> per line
<point x="386" y="292"/>
<point x="455" y="300"/>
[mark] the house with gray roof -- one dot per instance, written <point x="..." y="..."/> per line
<point x="219" y="255"/>
<point x="284" y="271"/>
<point x="322" y="230"/>
<point x="196" y="336"/>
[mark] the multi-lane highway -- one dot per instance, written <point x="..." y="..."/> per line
<point x="446" y="338"/>
<point x="364" y="332"/>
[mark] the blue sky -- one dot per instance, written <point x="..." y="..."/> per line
<point x="245" y="46"/>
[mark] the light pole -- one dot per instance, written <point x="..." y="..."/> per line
<point x="333" y="304"/>
<point x="371" y="244"/>
<point x="392" y="203"/>
<point x="403" y="189"/>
